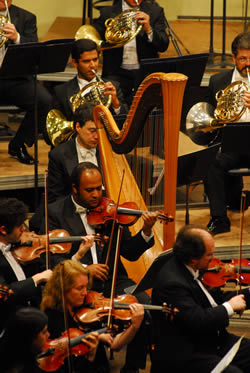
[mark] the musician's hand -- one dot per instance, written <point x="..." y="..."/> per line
<point x="10" y="31"/>
<point x="144" y="20"/>
<point x="42" y="276"/>
<point x="238" y="302"/>
<point x="92" y="341"/>
<point x="109" y="89"/>
<point x="106" y="338"/>
<point x="149" y="219"/>
<point x="246" y="99"/>
<point x="137" y="314"/>
<point x="84" y="247"/>
<point x="99" y="271"/>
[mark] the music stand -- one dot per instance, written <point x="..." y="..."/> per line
<point x="33" y="59"/>
<point x="147" y="282"/>
<point x="236" y="137"/>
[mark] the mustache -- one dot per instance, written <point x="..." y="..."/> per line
<point x="245" y="68"/>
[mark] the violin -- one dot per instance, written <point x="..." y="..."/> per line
<point x="97" y="308"/>
<point x="218" y="272"/>
<point x="60" y="242"/>
<point x="125" y="214"/>
<point x="55" y="351"/>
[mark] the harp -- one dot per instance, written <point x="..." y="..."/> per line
<point x="158" y="89"/>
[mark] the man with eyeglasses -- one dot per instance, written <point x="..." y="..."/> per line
<point x="224" y="191"/>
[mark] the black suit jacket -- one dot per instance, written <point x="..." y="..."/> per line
<point x="198" y="327"/>
<point x="112" y="58"/>
<point x="25" y="23"/>
<point x="62" y="215"/>
<point x="25" y="291"/>
<point x="62" y="160"/>
<point x="63" y="93"/>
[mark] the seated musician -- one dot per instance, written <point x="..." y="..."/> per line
<point x="123" y="64"/>
<point x="223" y="190"/>
<point x="64" y="158"/>
<point x="24" y="337"/>
<point x="69" y="213"/>
<point x="24" y="280"/>
<point x="85" y="58"/>
<point x="75" y="280"/>
<point x="20" y="91"/>
<point x="197" y="337"/>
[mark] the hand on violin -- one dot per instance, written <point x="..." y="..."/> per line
<point x="149" y="220"/>
<point x="84" y="247"/>
<point x="99" y="271"/>
<point x="137" y="314"/>
<point x="238" y="302"/>
<point x="42" y="276"/>
<point x="106" y="338"/>
<point x="92" y="341"/>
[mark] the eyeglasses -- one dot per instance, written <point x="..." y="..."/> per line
<point x="243" y="59"/>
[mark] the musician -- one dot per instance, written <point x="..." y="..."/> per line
<point x="85" y="58"/>
<point x="69" y="213"/>
<point x="221" y="189"/>
<point x="75" y="280"/>
<point x="123" y="64"/>
<point x="24" y="280"/>
<point x="197" y="337"/>
<point x="24" y="337"/>
<point x="20" y="91"/>
<point x="67" y="155"/>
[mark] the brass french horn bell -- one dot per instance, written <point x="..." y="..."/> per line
<point x="202" y="119"/>
<point x="58" y="127"/>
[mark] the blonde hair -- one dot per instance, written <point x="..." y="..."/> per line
<point x="66" y="271"/>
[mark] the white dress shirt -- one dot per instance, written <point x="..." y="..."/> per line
<point x="236" y="77"/>
<point x="195" y="274"/>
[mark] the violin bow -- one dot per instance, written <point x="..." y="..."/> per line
<point x="66" y="325"/>
<point x="117" y="252"/>
<point x="114" y="220"/>
<point x="242" y="207"/>
<point x="47" y="220"/>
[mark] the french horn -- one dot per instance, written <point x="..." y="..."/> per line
<point x="58" y="127"/>
<point x="3" y="38"/>
<point x="95" y="95"/>
<point x="119" y="31"/>
<point x="202" y="119"/>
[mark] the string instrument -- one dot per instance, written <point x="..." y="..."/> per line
<point x="97" y="308"/>
<point x="126" y="214"/>
<point x="5" y="293"/>
<point x="55" y="351"/>
<point x="219" y="273"/>
<point x="60" y="242"/>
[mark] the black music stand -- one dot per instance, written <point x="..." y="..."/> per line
<point x="236" y="137"/>
<point x="148" y="280"/>
<point x="224" y="61"/>
<point x="31" y="59"/>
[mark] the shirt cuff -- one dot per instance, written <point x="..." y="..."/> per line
<point x="150" y="36"/>
<point x="147" y="238"/>
<point x="229" y="309"/>
<point x="117" y="111"/>
<point x="18" y="39"/>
